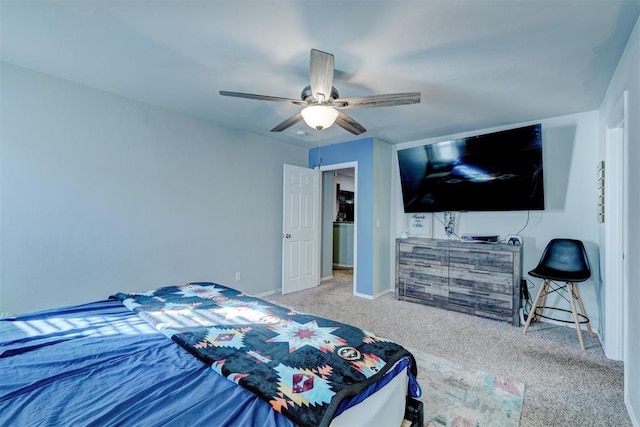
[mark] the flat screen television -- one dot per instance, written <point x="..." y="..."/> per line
<point x="500" y="171"/>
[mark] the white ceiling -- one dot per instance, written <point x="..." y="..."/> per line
<point x="478" y="63"/>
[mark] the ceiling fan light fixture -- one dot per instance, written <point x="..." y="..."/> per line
<point x="319" y="116"/>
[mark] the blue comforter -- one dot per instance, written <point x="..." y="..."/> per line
<point x="100" y="364"/>
<point x="302" y="365"/>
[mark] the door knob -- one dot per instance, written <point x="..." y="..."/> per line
<point x="287" y="236"/>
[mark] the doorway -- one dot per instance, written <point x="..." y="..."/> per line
<point x="338" y="240"/>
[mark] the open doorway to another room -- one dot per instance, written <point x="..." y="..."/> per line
<point x="338" y="240"/>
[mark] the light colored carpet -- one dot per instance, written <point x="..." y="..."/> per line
<point x="565" y="386"/>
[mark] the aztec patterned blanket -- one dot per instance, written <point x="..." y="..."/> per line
<point x="302" y="365"/>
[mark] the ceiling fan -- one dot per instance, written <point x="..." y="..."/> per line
<point x="322" y="103"/>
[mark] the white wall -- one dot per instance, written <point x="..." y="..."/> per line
<point x="100" y="194"/>
<point x="570" y="156"/>
<point x="347" y="182"/>
<point x="627" y="78"/>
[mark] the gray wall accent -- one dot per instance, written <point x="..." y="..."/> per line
<point x="101" y="194"/>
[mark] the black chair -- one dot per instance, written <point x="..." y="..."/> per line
<point x="563" y="260"/>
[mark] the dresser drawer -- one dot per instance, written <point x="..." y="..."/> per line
<point x="479" y="260"/>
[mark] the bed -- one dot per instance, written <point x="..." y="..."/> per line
<point x="198" y="354"/>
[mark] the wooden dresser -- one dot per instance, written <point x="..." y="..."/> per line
<point x="476" y="278"/>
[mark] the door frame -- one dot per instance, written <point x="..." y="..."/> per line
<point x="615" y="227"/>
<point x="354" y="166"/>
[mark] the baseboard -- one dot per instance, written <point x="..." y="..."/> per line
<point x="378" y="295"/>
<point x="388" y="291"/>
<point x="358" y="294"/>
<point x="634" y="419"/>
<point x="268" y="293"/>
<point x="342" y="266"/>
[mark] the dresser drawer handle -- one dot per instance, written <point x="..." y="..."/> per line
<point x="486" y="273"/>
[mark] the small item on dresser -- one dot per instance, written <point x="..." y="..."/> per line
<point x="477" y="238"/>
<point x="514" y="239"/>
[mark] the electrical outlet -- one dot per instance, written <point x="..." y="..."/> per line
<point x="238" y="276"/>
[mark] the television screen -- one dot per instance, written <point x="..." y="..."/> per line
<point x="500" y="171"/>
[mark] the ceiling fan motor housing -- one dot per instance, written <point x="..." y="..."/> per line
<point x="307" y="95"/>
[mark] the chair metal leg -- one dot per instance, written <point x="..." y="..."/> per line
<point x="584" y="312"/>
<point x="532" y="313"/>
<point x="576" y="320"/>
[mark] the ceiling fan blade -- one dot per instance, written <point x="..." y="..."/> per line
<point x="321" y="75"/>
<point x="287" y="123"/>
<point x="348" y="123"/>
<point x="262" y="97"/>
<point x="388" y="100"/>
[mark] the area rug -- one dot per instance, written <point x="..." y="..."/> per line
<point x="454" y="396"/>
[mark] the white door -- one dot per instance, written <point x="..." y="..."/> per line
<point x="300" y="229"/>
